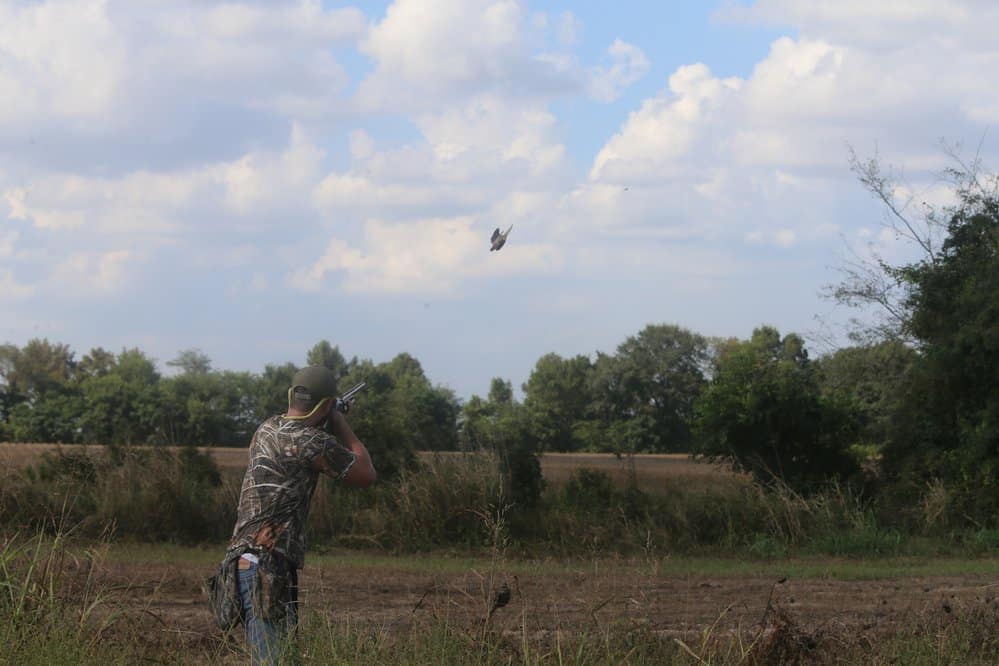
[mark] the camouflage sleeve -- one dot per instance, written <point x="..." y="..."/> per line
<point x="327" y="455"/>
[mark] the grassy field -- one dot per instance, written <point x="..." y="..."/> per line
<point x="711" y="571"/>
<point x="143" y="603"/>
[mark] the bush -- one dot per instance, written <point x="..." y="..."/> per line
<point x="150" y="495"/>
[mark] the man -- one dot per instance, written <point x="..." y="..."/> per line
<point x="287" y="454"/>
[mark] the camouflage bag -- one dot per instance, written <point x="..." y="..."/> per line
<point x="273" y="588"/>
<point x="223" y="594"/>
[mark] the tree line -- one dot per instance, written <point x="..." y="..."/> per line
<point x="910" y="410"/>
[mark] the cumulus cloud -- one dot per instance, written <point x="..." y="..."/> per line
<point x="628" y="64"/>
<point x="656" y="139"/>
<point x="75" y="72"/>
<point x="764" y="157"/>
<point x="463" y="47"/>
<point x="432" y="255"/>
<point x="63" y="59"/>
<point x="192" y="138"/>
<point x="88" y="272"/>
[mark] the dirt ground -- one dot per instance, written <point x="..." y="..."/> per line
<point x="592" y="598"/>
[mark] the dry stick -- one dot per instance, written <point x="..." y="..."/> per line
<point x="689" y="651"/>
<point x="420" y="602"/>
<point x="593" y="615"/>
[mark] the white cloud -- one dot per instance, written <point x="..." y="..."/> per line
<point x="765" y="158"/>
<point x="273" y="181"/>
<point x="62" y="58"/>
<point x="87" y="272"/>
<point x="175" y="202"/>
<point x="462" y="46"/>
<point x="874" y="24"/>
<point x="470" y="157"/>
<point x="88" y="68"/>
<point x="431" y="255"/>
<point x="785" y="237"/>
<point x="629" y="64"/>
<point x="656" y="139"/>
<point x="425" y="59"/>
<point x="568" y="28"/>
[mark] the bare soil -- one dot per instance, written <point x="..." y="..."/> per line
<point x="596" y="597"/>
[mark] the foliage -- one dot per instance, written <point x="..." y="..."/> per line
<point x="329" y="356"/>
<point x="643" y="396"/>
<point x="506" y="429"/>
<point x="764" y="412"/>
<point x="947" y="426"/>
<point x="869" y="381"/>
<point x="122" y="405"/>
<point x="556" y="396"/>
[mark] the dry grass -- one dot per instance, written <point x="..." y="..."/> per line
<point x="648" y="471"/>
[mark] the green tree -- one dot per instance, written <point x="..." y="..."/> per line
<point x="869" y="379"/>
<point x="948" y="425"/>
<point x="40" y="401"/>
<point x="765" y="413"/>
<point x="500" y="393"/>
<point x="271" y="393"/>
<point x="644" y="395"/>
<point x="95" y="363"/>
<point x="123" y="406"/>
<point x="325" y="354"/>
<point x="52" y="418"/>
<point x="556" y="397"/>
<point x="192" y="362"/>
<point x="427" y="414"/>
<point x="40" y="367"/>
<point x="504" y="426"/>
<point x="376" y="420"/>
<point x="207" y="409"/>
<point x="10" y="394"/>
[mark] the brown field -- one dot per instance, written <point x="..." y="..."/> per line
<point x="648" y="470"/>
<point x="399" y="595"/>
<point x="156" y="589"/>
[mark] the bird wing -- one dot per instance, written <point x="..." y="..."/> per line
<point x="495" y="235"/>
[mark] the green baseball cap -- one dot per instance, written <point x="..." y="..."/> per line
<point x="310" y="385"/>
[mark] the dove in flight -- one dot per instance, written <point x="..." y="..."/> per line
<point x="499" y="239"/>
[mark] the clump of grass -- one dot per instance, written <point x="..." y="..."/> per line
<point x="145" y="494"/>
<point x="436" y="505"/>
<point x="53" y="608"/>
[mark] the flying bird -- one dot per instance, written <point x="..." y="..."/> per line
<point x="499" y="239"/>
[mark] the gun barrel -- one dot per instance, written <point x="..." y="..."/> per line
<point x="353" y="391"/>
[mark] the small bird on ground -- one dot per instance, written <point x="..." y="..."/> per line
<point x="502" y="597"/>
<point x="499" y="239"/>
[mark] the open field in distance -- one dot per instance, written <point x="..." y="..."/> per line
<point x="650" y="471"/>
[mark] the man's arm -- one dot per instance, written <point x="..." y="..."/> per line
<point x="362" y="473"/>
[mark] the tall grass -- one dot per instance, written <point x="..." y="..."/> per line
<point x="447" y="501"/>
<point x="57" y="607"/>
<point x="53" y="608"/>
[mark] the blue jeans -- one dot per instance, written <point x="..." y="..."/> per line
<point x="268" y="641"/>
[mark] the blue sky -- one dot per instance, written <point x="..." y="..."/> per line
<point x="249" y="178"/>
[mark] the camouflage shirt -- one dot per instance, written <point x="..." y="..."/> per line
<point x="285" y="458"/>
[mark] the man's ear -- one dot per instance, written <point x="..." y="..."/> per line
<point x="327" y="411"/>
